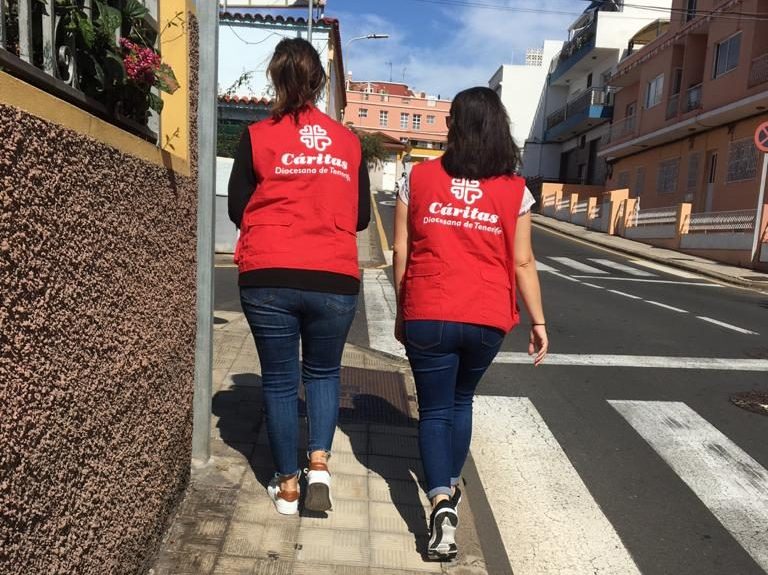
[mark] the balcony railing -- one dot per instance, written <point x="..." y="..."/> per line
<point x="758" y="71"/>
<point x="673" y="105"/>
<point x="41" y="42"/>
<point x="693" y="98"/>
<point x="580" y="104"/>
<point x="584" y="38"/>
<point x="622" y="128"/>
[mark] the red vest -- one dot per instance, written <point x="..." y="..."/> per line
<point x="303" y="214"/>
<point x="460" y="266"/>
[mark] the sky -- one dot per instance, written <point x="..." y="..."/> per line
<point x="443" y="46"/>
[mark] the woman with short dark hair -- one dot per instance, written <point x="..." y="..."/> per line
<point x="299" y="192"/>
<point x="462" y="249"/>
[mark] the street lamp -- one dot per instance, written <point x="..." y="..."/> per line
<point x="367" y="37"/>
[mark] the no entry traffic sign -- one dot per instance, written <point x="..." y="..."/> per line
<point x="761" y="137"/>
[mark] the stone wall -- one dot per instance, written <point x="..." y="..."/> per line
<point x="97" y="336"/>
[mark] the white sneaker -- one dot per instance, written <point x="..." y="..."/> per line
<point x="318" y="488"/>
<point x="286" y="502"/>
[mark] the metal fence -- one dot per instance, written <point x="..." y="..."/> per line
<point x="758" y="71"/>
<point x="580" y="207"/>
<point x="563" y="204"/>
<point x="596" y="212"/>
<point x="720" y="222"/>
<point x="38" y="43"/>
<point x="653" y="217"/>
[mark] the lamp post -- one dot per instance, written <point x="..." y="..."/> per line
<point x="367" y="37"/>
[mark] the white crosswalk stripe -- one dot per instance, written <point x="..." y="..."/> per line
<point x="727" y="480"/>
<point x="577" y="265"/>
<point x="622" y="268"/>
<point x="547" y="518"/>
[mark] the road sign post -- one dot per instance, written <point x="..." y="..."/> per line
<point x="761" y="142"/>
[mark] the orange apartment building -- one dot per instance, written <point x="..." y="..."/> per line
<point x="687" y="108"/>
<point x="415" y="119"/>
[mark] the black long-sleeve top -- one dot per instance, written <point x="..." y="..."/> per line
<point x="243" y="183"/>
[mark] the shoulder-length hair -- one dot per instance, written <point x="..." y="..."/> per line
<point x="297" y="75"/>
<point x="480" y="144"/>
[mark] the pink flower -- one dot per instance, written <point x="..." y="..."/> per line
<point x="141" y="63"/>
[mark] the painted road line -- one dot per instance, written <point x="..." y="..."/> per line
<point x="727" y="325"/>
<point x="666" y="269"/>
<point x="593" y="285"/>
<point x="380" y="310"/>
<point x="646" y="361"/>
<point x="665" y="306"/>
<point x="622" y="268"/>
<point x="625" y="294"/>
<point x="565" y="277"/>
<point x="548" y="520"/>
<point x="578" y="266"/>
<point x="642" y="280"/>
<point x="542" y="267"/>
<point x="727" y="480"/>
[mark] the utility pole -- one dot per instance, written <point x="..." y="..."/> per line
<point x="208" y="20"/>
<point x="309" y="21"/>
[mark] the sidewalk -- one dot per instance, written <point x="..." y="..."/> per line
<point x="724" y="273"/>
<point x="227" y="524"/>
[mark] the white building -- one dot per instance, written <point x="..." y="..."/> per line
<point x="520" y="87"/>
<point x="575" y="108"/>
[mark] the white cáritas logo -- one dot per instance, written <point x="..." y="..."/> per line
<point x="466" y="190"/>
<point x="314" y="137"/>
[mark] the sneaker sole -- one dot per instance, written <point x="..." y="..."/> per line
<point x="318" y="497"/>
<point x="445" y="533"/>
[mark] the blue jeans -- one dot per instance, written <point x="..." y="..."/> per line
<point x="447" y="359"/>
<point x="279" y="318"/>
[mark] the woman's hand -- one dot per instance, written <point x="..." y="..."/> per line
<point x="399" y="329"/>
<point x="538" y="343"/>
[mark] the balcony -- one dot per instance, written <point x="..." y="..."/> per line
<point x="574" y="50"/>
<point x="622" y="129"/>
<point x="758" y="71"/>
<point x="673" y="106"/>
<point x="592" y="107"/>
<point x="693" y="98"/>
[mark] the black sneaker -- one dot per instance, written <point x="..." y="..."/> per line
<point x="456" y="498"/>
<point x="442" y="531"/>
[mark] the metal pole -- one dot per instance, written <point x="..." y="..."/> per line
<point x="759" y="209"/>
<point x="309" y="21"/>
<point x="208" y="16"/>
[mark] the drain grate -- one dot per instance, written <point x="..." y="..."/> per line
<point x="371" y="396"/>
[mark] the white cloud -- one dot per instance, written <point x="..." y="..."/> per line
<point x="471" y="44"/>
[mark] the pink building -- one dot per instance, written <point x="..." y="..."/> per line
<point x="413" y="118"/>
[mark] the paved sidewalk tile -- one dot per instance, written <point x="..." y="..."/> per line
<point x="227" y="524"/>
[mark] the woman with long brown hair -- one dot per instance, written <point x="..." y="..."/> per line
<point x="462" y="251"/>
<point x="299" y="192"/>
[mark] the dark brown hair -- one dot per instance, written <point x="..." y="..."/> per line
<point x="297" y="75"/>
<point x="480" y="144"/>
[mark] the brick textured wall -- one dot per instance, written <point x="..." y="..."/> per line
<point x="97" y="327"/>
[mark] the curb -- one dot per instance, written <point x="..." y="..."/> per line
<point x="599" y="239"/>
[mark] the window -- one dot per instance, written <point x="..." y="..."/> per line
<point x="677" y="80"/>
<point x="365" y="96"/>
<point x="404" y="121"/>
<point x="693" y="170"/>
<point x="362" y="113"/>
<point x="384" y="96"/>
<point x="690" y="10"/>
<point x="417" y="121"/>
<point x="430" y="119"/>
<point x="654" y="91"/>
<point x="666" y="183"/>
<point x="727" y="55"/>
<point x="639" y="183"/>
<point x="742" y="161"/>
<point x="383" y="118"/>
<point x="623" y="180"/>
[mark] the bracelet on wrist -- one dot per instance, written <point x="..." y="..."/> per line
<point x="535" y="324"/>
